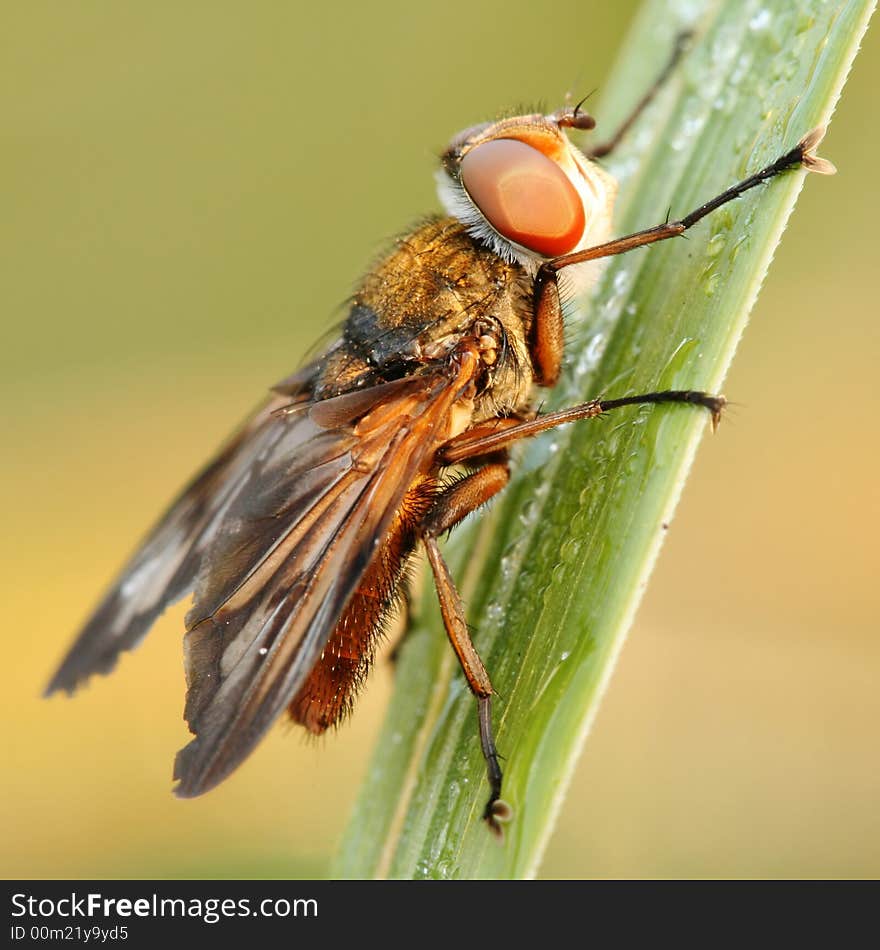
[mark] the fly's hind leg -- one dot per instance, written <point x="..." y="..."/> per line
<point x="453" y="504"/>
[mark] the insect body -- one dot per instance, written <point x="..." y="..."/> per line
<point x="295" y="539"/>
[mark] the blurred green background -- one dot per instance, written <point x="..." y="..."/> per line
<point x="190" y="191"/>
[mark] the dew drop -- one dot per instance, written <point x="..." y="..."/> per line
<point x="595" y="348"/>
<point x="760" y="21"/>
<point x="620" y="280"/>
<point x="494" y="612"/>
<point x="691" y="126"/>
<point x="452" y="796"/>
<point x="569" y="551"/>
<point x="740" y="70"/>
<point x="805" y="22"/>
<point x="529" y="513"/>
<point x="716" y="245"/>
<point x="710" y="285"/>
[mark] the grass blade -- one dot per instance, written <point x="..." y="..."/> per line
<point x="553" y="574"/>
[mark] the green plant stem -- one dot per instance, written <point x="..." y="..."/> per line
<point x="552" y="576"/>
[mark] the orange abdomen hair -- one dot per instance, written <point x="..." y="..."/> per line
<point x="328" y="695"/>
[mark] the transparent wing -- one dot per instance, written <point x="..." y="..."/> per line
<point x="165" y="566"/>
<point x="297" y="540"/>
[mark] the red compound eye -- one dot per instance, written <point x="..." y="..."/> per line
<point x="524" y="195"/>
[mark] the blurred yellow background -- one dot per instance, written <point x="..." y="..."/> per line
<point x="190" y="192"/>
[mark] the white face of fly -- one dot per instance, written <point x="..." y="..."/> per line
<point x="523" y="190"/>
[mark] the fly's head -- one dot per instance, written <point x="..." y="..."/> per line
<point x="524" y="190"/>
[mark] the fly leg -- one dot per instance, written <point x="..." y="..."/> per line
<point x="487" y="443"/>
<point x="451" y="507"/>
<point x="484" y="438"/>
<point x="605" y="148"/>
<point x="548" y="324"/>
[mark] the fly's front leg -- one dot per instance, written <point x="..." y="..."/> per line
<point x="451" y="507"/>
<point x="547" y="305"/>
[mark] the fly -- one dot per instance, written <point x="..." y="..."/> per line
<point x="294" y="540"/>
